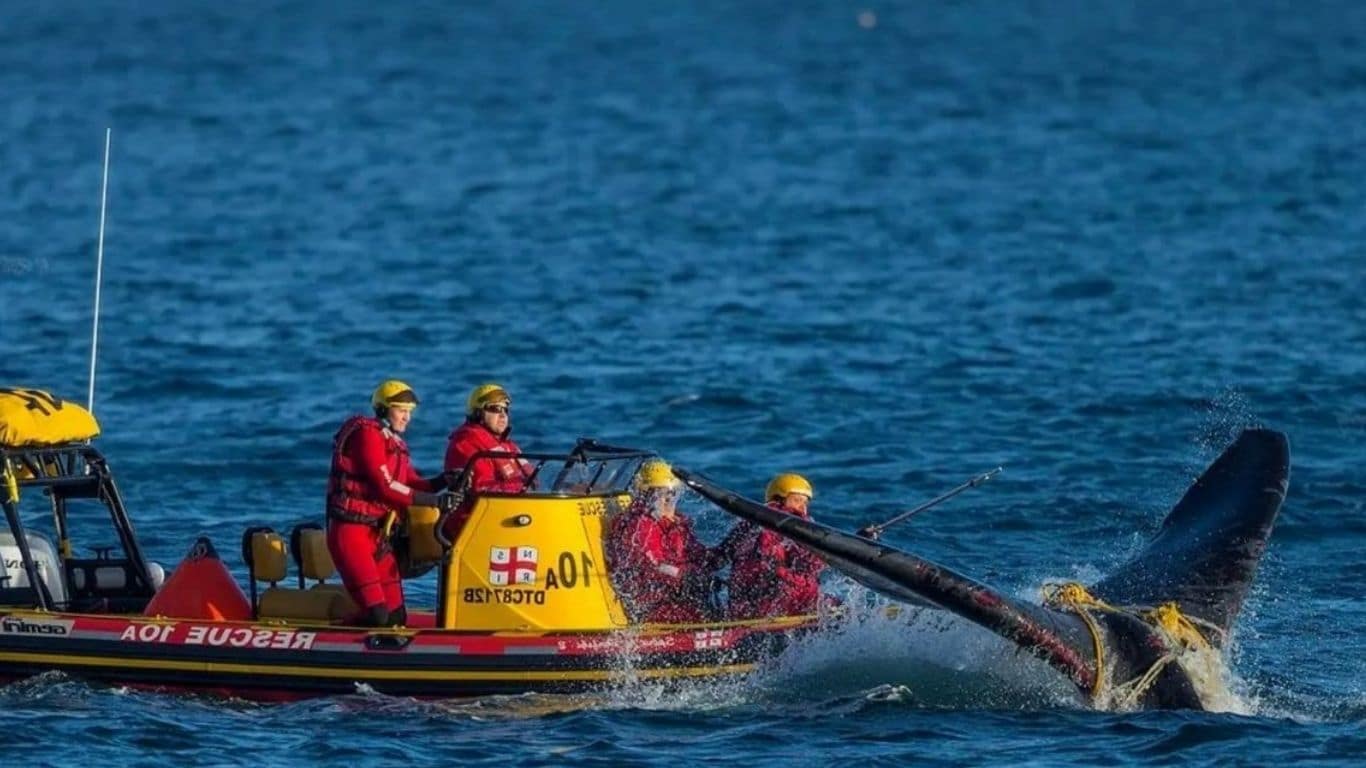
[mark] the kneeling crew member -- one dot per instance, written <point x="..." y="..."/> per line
<point x="658" y="565"/>
<point x="770" y="575"/>
<point x="371" y="486"/>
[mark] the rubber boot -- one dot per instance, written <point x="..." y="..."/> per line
<point x="375" y="616"/>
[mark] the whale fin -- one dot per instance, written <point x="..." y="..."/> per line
<point x="1206" y="552"/>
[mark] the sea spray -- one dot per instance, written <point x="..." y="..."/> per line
<point x="939" y="659"/>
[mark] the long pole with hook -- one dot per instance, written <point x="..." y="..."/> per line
<point x="873" y="530"/>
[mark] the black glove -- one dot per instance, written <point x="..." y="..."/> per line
<point x="447" y="502"/>
<point x="869" y="532"/>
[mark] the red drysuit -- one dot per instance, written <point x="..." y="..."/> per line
<point x="487" y="475"/>
<point x="658" y="566"/>
<point x="769" y="575"/>
<point x="371" y="476"/>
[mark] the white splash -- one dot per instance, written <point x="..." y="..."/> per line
<point x="929" y="657"/>
<point x="933" y="658"/>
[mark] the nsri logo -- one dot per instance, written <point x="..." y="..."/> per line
<point x="512" y="565"/>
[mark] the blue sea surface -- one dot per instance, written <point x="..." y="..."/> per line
<point x="885" y="244"/>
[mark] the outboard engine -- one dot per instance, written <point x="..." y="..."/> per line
<point x="13" y="575"/>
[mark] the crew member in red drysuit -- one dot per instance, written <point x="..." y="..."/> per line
<point x="658" y="565"/>
<point x="770" y="575"/>
<point x="486" y="428"/>
<point x="371" y="486"/>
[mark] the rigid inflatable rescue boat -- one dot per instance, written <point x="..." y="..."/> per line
<point x="525" y="599"/>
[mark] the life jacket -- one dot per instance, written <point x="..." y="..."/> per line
<point x="350" y="497"/>
<point x="769" y="575"/>
<point x="638" y="543"/>
<point x="492" y="475"/>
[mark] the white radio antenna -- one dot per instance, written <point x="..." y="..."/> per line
<point x="99" y="276"/>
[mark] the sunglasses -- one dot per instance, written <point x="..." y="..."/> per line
<point x="497" y="409"/>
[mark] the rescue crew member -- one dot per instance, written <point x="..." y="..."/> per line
<point x="770" y="575"/>
<point x="658" y="565"/>
<point x="486" y="428"/>
<point x="371" y="486"/>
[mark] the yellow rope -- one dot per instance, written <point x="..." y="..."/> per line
<point x="1181" y="630"/>
<point x="1126" y="694"/>
<point x="1178" y="626"/>
<point x="1074" y="597"/>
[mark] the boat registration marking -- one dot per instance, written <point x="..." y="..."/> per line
<point x="503" y="596"/>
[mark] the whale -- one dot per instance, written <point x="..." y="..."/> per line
<point x="1126" y="640"/>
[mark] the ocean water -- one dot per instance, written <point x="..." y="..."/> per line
<point x="887" y="245"/>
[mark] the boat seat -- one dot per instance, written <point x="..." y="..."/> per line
<point x="308" y="545"/>
<point x="264" y="551"/>
<point x="329" y="604"/>
<point x="423" y="545"/>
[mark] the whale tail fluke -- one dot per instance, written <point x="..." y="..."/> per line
<point x="1206" y="552"/>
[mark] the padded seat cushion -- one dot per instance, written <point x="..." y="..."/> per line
<point x="315" y="561"/>
<point x="326" y="602"/>
<point x="268" y="559"/>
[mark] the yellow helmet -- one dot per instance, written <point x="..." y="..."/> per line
<point x="655" y="474"/>
<point x="393" y="394"/>
<point x="780" y="486"/>
<point x="485" y="394"/>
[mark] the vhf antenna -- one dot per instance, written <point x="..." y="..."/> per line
<point x="99" y="276"/>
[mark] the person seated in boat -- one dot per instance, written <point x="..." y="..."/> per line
<point x="770" y="575"/>
<point x="657" y="564"/>
<point x="372" y="483"/>
<point x="487" y="427"/>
